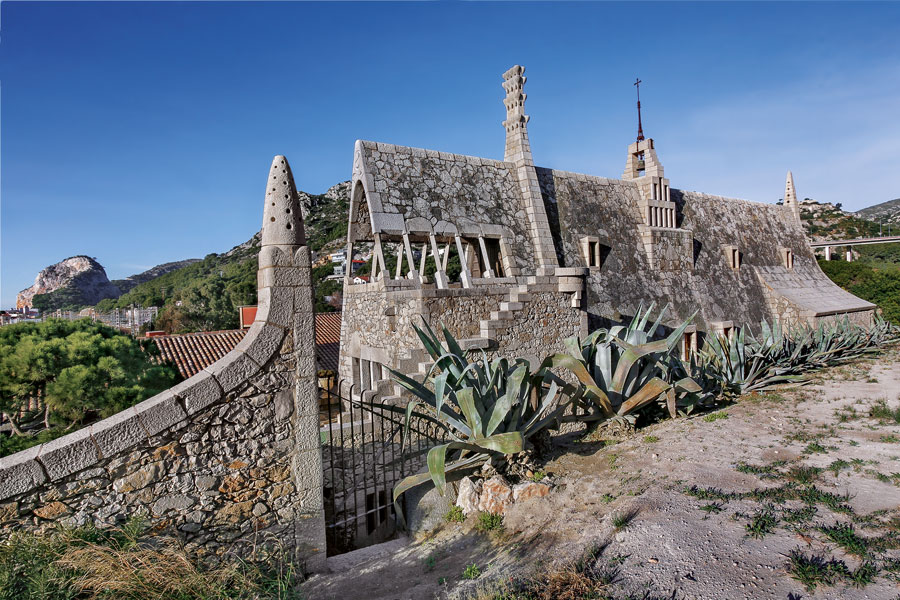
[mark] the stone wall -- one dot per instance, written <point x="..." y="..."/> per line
<point x="582" y="205"/>
<point x="227" y="459"/>
<point x="378" y="323"/>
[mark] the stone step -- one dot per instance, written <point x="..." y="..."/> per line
<point x="500" y="315"/>
<point x="474" y="343"/>
<point x="511" y="306"/>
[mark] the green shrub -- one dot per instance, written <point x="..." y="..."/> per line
<point x="489" y="522"/>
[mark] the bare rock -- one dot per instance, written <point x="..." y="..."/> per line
<point x="496" y="494"/>
<point x="528" y="490"/>
<point x="469" y="495"/>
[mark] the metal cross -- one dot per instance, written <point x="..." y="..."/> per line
<point x="637" y="84"/>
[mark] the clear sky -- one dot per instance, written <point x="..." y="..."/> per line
<point x="141" y="133"/>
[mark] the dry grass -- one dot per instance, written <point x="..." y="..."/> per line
<point x="125" y="564"/>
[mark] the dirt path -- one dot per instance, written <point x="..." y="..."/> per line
<point x="708" y="507"/>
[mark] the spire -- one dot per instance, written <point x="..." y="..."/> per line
<point x="790" y="196"/>
<point x="518" y="147"/>
<point x="640" y="135"/>
<point x="282" y="217"/>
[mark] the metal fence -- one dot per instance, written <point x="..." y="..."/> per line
<point x="363" y="456"/>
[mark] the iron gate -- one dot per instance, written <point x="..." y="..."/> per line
<point x="363" y="457"/>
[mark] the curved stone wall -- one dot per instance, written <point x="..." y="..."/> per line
<point x="227" y="459"/>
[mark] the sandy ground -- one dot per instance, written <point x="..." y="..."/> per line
<point x="671" y="548"/>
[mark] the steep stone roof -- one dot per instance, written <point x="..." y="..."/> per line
<point x="425" y="191"/>
<point x="193" y="352"/>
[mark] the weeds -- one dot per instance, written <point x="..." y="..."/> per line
<point x="762" y="523"/>
<point x="815" y="448"/>
<point x="650" y="439"/>
<point x="87" y="562"/>
<point x="845" y="536"/>
<point x="713" y="508"/>
<point x="812" y="570"/>
<point x="471" y="572"/>
<point x="489" y="522"/>
<point x="455" y="515"/>
<point x="620" y="520"/>
<point x="883" y="413"/>
<point x="715" y="416"/>
<point x="804" y="475"/>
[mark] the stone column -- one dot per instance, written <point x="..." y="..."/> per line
<point x="518" y="152"/>
<point x="827" y="253"/>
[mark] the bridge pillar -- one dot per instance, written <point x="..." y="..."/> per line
<point x="827" y="253"/>
<point x="849" y="254"/>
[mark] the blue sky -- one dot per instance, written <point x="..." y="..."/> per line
<point x="141" y="133"/>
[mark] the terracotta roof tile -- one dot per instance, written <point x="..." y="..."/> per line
<point x="193" y="352"/>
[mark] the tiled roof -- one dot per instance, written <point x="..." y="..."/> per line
<point x="328" y="340"/>
<point x="193" y="352"/>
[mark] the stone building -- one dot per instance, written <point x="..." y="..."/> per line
<point x="544" y="254"/>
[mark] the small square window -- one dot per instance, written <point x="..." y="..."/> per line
<point x="733" y="256"/>
<point x="787" y="258"/>
<point x="595" y="253"/>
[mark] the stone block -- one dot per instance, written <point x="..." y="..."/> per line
<point x="69" y="454"/>
<point x="307" y="432"/>
<point x="425" y="509"/>
<point x="275" y="256"/>
<point x="232" y="370"/>
<point x="262" y="342"/>
<point x="496" y="494"/>
<point x="20" y="472"/>
<point x="276" y="306"/>
<point x="197" y="393"/>
<point x="118" y="432"/>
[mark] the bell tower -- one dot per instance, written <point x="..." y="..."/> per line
<point x="643" y="167"/>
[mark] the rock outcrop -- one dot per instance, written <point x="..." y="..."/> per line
<point x="82" y="274"/>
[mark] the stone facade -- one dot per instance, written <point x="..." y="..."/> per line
<point x="229" y="458"/>
<point x="546" y="253"/>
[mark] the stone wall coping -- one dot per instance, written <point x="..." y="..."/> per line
<point x="81" y="449"/>
<point x="426" y="153"/>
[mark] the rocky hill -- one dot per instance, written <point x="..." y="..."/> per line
<point x="75" y="281"/>
<point x="127" y="284"/>
<point x="887" y="212"/>
<point x="823" y="220"/>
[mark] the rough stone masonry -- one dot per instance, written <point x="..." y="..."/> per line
<point x="228" y="459"/>
<point x="547" y="253"/>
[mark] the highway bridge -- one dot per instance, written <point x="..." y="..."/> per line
<point x="828" y="245"/>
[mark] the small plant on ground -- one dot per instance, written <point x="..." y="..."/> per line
<point x="489" y="522"/>
<point x="885" y="414"/>
<point x="845" y="536"/>
<point x="812" y="570"/>
<point x="804" y="475"/>
<point x="762" y="523"/>
<point x="620" y="520"/>
<point x="538" y="476"/>
<point x="471" y="572"/>
<point x="455" y="515"/>
<point x="429" y="563"/>
<point x="650" y="439"/>
<point x="815" y="448"/>
<point x="715" y="416"/>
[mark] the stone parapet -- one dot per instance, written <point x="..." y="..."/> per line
<point x="229" y="459"/>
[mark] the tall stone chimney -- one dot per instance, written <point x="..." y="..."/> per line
<point x="790" y="196"/>
<point x="518" y="152"/>
<point x="282" y="218"/>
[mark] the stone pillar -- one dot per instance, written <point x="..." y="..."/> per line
<point x="849" y="254"/>
<point x="790" y="196"/>
<point x="285" y="269"/>
<point x="827" y="253"/>
<point x="518" y="152"/>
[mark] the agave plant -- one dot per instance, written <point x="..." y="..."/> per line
<point x="484" y="407"/>
<point x="621" y="370"/>
<point x="740" y="364"/>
